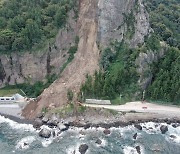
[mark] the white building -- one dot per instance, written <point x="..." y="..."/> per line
<point x="13" y="99"/>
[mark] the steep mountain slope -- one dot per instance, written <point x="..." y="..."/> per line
<point x="99" y="23"/>
<point x="85" y="62"/>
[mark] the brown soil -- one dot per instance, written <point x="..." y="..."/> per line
<point x="85" y="62"/>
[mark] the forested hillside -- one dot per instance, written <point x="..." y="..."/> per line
<point x="27" y="24"/>
<point x="118" y="79"/>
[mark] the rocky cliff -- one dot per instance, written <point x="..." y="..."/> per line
<point x="23" y="67"/>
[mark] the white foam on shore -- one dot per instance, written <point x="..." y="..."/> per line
<point x="73" y="149"/>
<point x="151" y="127"/>
<point x="132" y="150"/>
<point x="129" y="150"/>
<point x="25" y="142"/>
<point x="15" y="125"/>
<point x="175" y="132"/>
<point x="47" y="142"/>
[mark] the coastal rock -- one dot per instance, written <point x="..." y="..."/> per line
<point x="87" y="126"/>
<point x="83" y="148"/>
<point x="163" y="129"/>
<point x="98" y="141"/>
<point x="62" y="127"/>
<point x="45" y="119"/>
<point x="45" y="133"/>
<point x="138" y="149"/>
<point x="173" y="136"/>
<point x="53" y="121"/>
<point x="175" y="125"/>
<point x="135" y="136"/>
<point x="106" y="132"/>
<point x="37" y="123"/>
<point x="138" y="126"/>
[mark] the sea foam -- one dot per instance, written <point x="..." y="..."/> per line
<point x="15" y="125"/>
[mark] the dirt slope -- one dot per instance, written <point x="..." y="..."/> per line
<point x="85" y="61"/>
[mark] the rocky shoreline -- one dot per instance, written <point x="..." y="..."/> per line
<point x="62" y="126"/>
<point x="52" y="126"/>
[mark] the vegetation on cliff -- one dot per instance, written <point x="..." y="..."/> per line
<point x="27" y="24"/>
<point x="119" y="79"/>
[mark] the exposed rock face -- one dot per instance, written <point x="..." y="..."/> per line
<point x="112" y="25"/>
<point x="144" y="62"/>
<point x="20" y="67"/>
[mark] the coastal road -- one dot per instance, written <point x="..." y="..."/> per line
<point x="142" y="107"/>
<point x="10" y="109"/>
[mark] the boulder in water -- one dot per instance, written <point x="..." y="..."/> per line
<point x="175" y="125"/>
<point x="53" y="121"/>
<point x="98" y="141"/>
<point x="138" y="149"/>
<point x="173" y="136"/>
<point x="37" y="123"/>
<point x="135" y="136"/>
<point x="106" y="132"/>
<point x="83" y="148"/>
<point x="138" y="126"/>
<point x="45" y="133"/>
<point x="62" y="127"/>
<point x="163" y="129"/>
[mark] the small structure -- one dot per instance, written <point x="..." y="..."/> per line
<point x="13" y="99"/>
<point x="98" y="102"/>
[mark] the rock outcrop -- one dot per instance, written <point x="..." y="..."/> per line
<point x="20" y="67"/>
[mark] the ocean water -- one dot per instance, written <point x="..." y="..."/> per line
<point x="18" y="138"/>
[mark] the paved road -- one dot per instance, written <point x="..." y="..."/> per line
<point x="142" y="107"/>
<point x="10" y="109"/>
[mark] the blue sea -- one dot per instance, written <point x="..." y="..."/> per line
<point x="18" y="138"/>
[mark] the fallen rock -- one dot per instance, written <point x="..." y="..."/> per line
<point x="138" y="149"/>
<point x="98" y="141"/>
<point x="83" y="148"/>
<point x="163" y="129"/>
<point x="53" y="121"/>
<point x="138" y="127"/>
<point x="37" y="123"/>
<point x="175" y="125"/>
<point x="87" y="126"/>
<point x="107" y="132"/>
<point x="62" y="127"/>
<point x="173" y="136"/>
<point x="135" y="136"/>
<point x="45" y="119"/>
<point x="45" y="133"/>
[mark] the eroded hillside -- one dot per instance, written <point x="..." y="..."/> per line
<point x="99" y="23"/>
